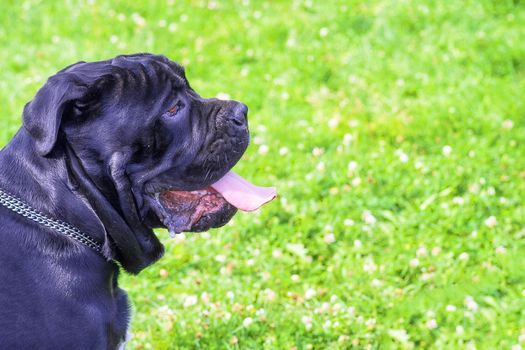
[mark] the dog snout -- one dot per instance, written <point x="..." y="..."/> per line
<point x="239" y="116"/>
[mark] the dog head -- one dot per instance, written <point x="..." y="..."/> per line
<point x="147" y="141"/>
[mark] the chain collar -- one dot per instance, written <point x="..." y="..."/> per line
<point x="18" y="206"/>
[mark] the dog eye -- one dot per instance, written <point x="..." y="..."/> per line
<point x="175" y="109"/>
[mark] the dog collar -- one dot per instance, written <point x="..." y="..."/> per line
<point x="18" y="206"/>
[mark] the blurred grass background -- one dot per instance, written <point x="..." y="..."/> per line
<point x="394" y="131"/>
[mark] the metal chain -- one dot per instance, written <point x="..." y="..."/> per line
<point x="16" y="205"/>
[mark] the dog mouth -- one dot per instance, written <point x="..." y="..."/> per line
<point x="210" y="207"/>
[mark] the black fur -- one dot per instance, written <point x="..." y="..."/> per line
<point x="98" y="140"/>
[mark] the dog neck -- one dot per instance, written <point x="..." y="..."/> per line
<point x="59" y="186"/>
<point x="43" y="183"/>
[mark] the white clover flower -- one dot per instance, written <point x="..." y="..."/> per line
<point x="471" y="345"/>
<point x="283" y="151"/>
<point x="269" y="294"/>
<point x="421" y="251"/>
<point x="491" y="221"/>
<point x="431" y="324"/>
<point x="400" y="335"/>
<point x="470" y="303"/>
<point x="458" y="200"/>
<point x="521" y="338"/>
<point x="501" y="250"/>
<point x="370" y="323"/>
<point x="376" y="283"/>
<point x="353" y="123"/>
<point x="178" y="238"/>
<point x="277" y="253"/>
<point x="369" y="265"/>
<point x="447" y="150"/>
<point x="190" y="300"/>
<point x="310" y="293"/>
<point x="352" y="166"/>
<point x="369" y="218"/>
<point x="323" y="32"/>
<point x="138" y="19"/>
<point x="247" y="322"/>
<point x="358" y="244"/>
<point x="317" y="151"/>
<point x="451" y="308"/>
<point x="205" y="297"/>
<point x="426" y="276"/>
<point x="325" y="307"/>
<point x="403" y="157"/>
<point x="343" y="338"/>
<point x="333" y="122"/>
<point x="347" y="139"/>
<point x="223" y="96"/>
<point x="295" y="278"/>
<point x="463" y="256"/>
<point x="220" y="258"/>
<point x="230" y="295"/>
<point x="263" y="149"/>
<point x="507" y="124"/>
<point x="307" y="320"/>
<point x="414" y="262"/>
<point x="329" y="238"/>
<point x="257" y="140"/>
<point x="460" y="330"/>
<point x="349" y="222"/>
<point x="474" y="188"/>
<point x="436" y="251"/>
<point x="356" y="181"/>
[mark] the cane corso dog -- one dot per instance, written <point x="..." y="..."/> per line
<point x="109" y="150"/>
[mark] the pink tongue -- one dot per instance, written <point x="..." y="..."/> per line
<point x="242" y="194"/>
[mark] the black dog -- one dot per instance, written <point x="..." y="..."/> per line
<point x="114" y="149"/>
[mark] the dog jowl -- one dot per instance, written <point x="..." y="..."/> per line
<point x="115" y="149"/>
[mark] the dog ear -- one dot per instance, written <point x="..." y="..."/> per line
<point x="44" y="114"/>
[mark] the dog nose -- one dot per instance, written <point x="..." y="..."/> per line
<point x="240" y="114"/>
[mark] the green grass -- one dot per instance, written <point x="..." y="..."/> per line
<point x="394" y="131"/>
